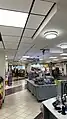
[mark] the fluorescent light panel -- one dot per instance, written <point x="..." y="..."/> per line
<point x="12" y="18"/>
<point x="62" y="45"/>
<point x="52" y="57"/>
<point x="63" y="54"/>
<point x="5" y="56"/>
<point x="41" y="59"/>
<point x="64" y="58"/>
<point x="26" y="57"/>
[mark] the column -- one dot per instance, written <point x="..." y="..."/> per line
<point x="64" y="66"/>
<point x="2" y="69"/>
<point x="2" y="64"/>
<point x="6" y="66"/>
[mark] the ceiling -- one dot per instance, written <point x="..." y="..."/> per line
<point x="18" y="41"/>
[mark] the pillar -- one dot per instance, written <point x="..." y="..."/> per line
<point x="2" y="64"/>
<point x="64" y="66"/>
<point x="28" y="67"/>
<point x="2" y="69"/>
<point x="6" y="66"/>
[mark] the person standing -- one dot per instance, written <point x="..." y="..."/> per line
<point x="9" y="77"/>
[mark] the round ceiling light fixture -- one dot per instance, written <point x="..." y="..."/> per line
<point x="51" y="34"/>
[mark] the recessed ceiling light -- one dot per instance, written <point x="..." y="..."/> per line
<point x="52" y="57"/>
<point x="63" y="54"/>
<point x="26" y="57"/>
<point x="50" y="34"/>
<point x="12" y="18"/>
<point x="62" y="45"/>
<point x="64" y="58"/>
<point x="41" y="59"/>
<point x="5" y="56"/>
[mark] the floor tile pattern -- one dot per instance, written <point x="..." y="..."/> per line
<point x="16" y="87"/>
<point x="20" y="105"/>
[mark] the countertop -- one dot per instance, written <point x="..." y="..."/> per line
<point x="49" y="106"/>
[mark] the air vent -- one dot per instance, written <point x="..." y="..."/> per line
<point x="0" y="37"/>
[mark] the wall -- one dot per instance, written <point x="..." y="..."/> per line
<point x="2" y="64"/>
<point x="2" y="69"/>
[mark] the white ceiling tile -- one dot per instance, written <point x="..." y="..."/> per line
<point x="27" y="40"/>
<point x="28" y="33"/>
<point x="12" y="31"/>
<point x="10" y="45"/>
<point x="45" y="7"/>
<point x="10" y="39"/>
<point x="10" y="52"/>
<point x="1" y="45"/>
<point x="23" y="48"/>
<point x="18" y="5"/>
<point x="34" y="21"/>
<point x="10" y="57"/>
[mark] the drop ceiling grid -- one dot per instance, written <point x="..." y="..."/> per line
<point x="10" y="57"/>
<point x="41" y="7"/>
<point x="1" y="45"/>
<point x="29" y="32"/>
<point x="27" y="40"/>
<point x="11" y="45"/>
<point x="17" y="5"/>
<point x="33" y="22"/>
<point x="35" y="51"/>
<point x="22" y="49"/>
<point x="20" y="5"/>
<point x="10" y="53"/>
<point x="10" y="42"/>
<point x="36" y="17"/>
<point x="10" y="31"/>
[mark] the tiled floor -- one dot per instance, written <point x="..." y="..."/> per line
<point x="16" y="83"/>
<point x="16" y="87"/>
<point x="21" y="105"/>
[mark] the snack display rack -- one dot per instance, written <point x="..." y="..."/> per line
<point x="1" y="91"/>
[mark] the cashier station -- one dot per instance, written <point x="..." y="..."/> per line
<point x="40" y="89"/>
<point x="56" y="107"/>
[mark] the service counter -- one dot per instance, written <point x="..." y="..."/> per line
<point x="42" y="92"/>
<point x="49" y="112"/>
